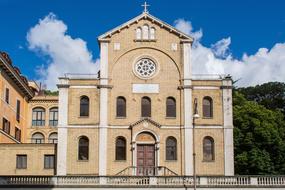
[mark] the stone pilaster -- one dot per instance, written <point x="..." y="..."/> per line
<point x="188" y="152"/>
<point x="228" y="127"/>
<point x="62" y="126"/>
<point x="103" y="125"/>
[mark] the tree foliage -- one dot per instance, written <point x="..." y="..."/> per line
<point x="271" y="95"/>
<point x="50" y="93"/>
<point x="259" y="133"/>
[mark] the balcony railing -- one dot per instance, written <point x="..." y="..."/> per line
<point x="144" y="181"/>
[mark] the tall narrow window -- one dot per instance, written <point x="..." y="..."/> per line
<point x="121" y="148"/>
<point x="6" y="126"/>
<point x="18" y="110"/>
<point x="84" y="106"/>
<point x="53" y="117"/>
<point x="171" y="148"/>
<point x="38" y="118"/>
<point x="152" y="33"/>
<point x="170" y="107"/>
<point x="21" y="162"/>
<point x="52" y="138"/>
<point x="38" y="138"/>
<point x="121" y="107"/>
<point x="138" y="33"/>
<point x="207" y="107"/>
<point x="145" y="32"/>
<point x="18" y="134"/>
<point x="48" y="161"/>
<point x="7" y="95"/>
<point x="146" y="107"/>
<point x="83" y="148"/>
<point x="208" y="149"/>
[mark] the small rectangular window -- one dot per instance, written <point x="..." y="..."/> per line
<point x="7" y="95"/>
<point x="49" y="161"/>
<point x="21" y="162"/>
<point x="18" y="110"/>
<point x="6" y="126"/>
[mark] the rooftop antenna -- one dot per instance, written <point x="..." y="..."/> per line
<point x="145" y="5"/>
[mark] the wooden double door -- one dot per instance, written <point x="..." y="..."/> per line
<point x="145" y="160"/>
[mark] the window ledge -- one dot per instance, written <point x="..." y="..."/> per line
<point x="170" y="117"/>
<point x="48" y="168"/>
<point x="145" y="40"/>
<point x="21" y="168"/>
<point x="120" y="117"/>
<point x="83" y="117"/>
<point x="171" y="160"/>
<point x="120" y="161"/>
<point x="207" y="118"/>
<point x="82" y="160"/>
<point x="209" y="161"/>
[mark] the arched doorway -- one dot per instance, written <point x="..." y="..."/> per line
<point x="146" y="155"/>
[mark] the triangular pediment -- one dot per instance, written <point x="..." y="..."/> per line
<point x="145" y="120"/>
<point x="145" y="15"/>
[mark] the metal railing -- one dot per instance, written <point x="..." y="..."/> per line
<point x="209" y="76"/>
<point x="81" y="76"/>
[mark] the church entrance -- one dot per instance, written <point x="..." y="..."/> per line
<point x="145" y="160"/>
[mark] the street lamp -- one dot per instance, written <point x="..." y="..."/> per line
<point x="195" y="116"/>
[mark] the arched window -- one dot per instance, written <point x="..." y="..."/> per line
<point x="170" y="107"/>
<point x="53" y="116"/>
<point x="38" y="117"/>
<point x="171" y="148"/>
<point x="207" y="107"/>
<point x="121" y="148"/>
<point x="52" y="138"/>
<point x="152" y="33"/>
<point x="83" y="148"/>
<point x="84" y="106"/>
<point x="146" y="107"/>
<point x="138" y="33"/>
<point x="208" y="149"/>
<point x="38" y="138"/>
<point x="145" y="32"/>
<point x="121" y="107"/>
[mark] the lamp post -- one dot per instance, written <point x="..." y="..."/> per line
<point x="195" y="116"/>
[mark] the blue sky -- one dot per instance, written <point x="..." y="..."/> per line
<point x="250" y="24"/>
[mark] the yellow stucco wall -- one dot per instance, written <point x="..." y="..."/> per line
<point x="35" y="158"/>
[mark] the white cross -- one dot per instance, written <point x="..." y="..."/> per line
<point x="145" y="5"/>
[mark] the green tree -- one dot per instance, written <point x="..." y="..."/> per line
<point x="271" y="95"/>
<point x="50" y="93"/>
<point x="258" y="137"/>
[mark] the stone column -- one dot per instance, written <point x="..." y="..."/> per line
<point x="228" y="127"/>
<point x="103" y="125"/>
<point x="188" y="125"/>
<point x="62" y="126"/>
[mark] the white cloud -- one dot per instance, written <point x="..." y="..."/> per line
<point x="186" y="27"/>
<point x="264" y="66"/>
<point x="66" y="54"/>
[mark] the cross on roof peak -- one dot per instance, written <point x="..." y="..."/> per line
<point x="145" y="5"/>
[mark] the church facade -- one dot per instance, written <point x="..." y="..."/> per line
<point x="144" y="114"/>
<point x="138" y="114"/>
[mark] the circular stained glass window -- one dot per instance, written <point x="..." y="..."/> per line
<point x="145" y="68"/>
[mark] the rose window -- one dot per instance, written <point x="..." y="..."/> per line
<point x="145" y="68"/>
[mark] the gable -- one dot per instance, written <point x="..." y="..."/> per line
<point x="152" y="19"/>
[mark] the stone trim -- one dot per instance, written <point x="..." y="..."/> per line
<point x="147" y="120"/>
